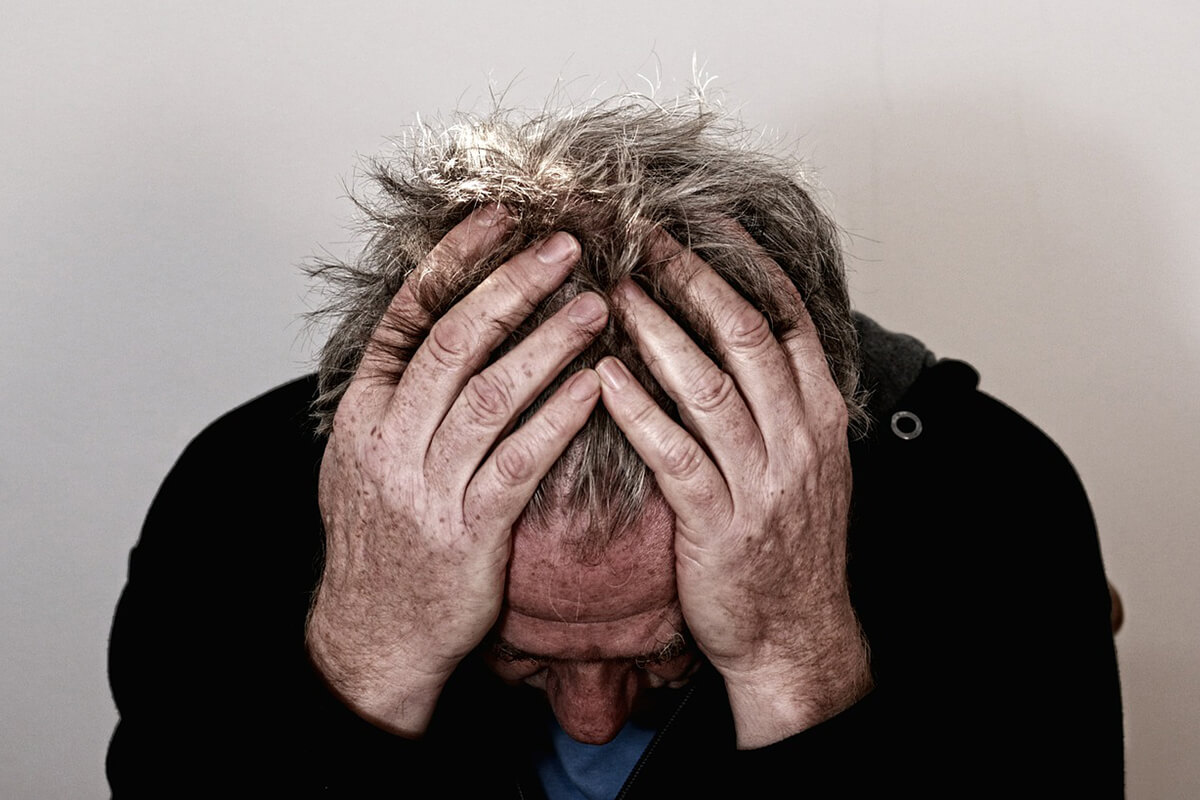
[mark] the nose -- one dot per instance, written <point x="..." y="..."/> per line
<point x="591" y="699"/>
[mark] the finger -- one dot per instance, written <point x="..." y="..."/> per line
<point x="492" y="399"/>
<point x="461" y="341"/>
<point x="505" y="482"/>
<point x="809" y="365"/>
<point x="740" y="334"/>
<point x="406" y="320"/>
<point x="687" y="477"/>
<point x="707" y="397"/>
<point x="801" y="342"/>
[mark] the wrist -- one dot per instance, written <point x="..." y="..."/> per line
<point x="787" y="697"/>
<point x="387" y="690"/>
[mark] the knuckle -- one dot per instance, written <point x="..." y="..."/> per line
<point x="403" y="321"/>
<point x="682" y="457"/>
<point x="514" y="463"/>
<point x="643" y="414"/>
<point x="577" y="337"/>
<point x="747" y="329"/>
<point x="554" y="422"/>
<point x="404" y="303"/>
<point x="488" y="395"/>
<point x="803" y="450"/>
<point x="448" y="254"/>
<point x="839" y="414"/>
<point x="829" y="408"/>
<point x="450" y="341"/>
<point x="712" y="389"/>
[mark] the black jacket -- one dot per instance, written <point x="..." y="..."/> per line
<point x="974" y="568"/>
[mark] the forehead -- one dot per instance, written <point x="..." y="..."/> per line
<point x="623" y="599"/>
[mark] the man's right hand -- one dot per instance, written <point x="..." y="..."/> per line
<point x="420" y="486"/>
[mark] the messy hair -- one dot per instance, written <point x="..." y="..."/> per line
<point x="612" y="174"/>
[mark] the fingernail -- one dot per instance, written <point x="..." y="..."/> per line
<point x="586" y="309"/>
<point x="627" y="289"/>
<point x="492" y="214"/>
<point x="612" y="372"/>
<point x="583" y="386"/>
<point x="556" y="249"/>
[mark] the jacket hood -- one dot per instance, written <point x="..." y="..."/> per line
<point x="891" y="363"/>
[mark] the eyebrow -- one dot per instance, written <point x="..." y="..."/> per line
<point x="669" y="650"/>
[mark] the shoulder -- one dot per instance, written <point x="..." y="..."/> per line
<point x="943" y="431"/>
<point x="975" y="516"/>
<point x="248" y="480"/>
<point x="977" y="575"/>
<point x="263" y="447"/>
<point x="959" y="499"/>
<point x="281" y="415"/>
<point x="929" y="421"/>
<point x="971" y="474"/>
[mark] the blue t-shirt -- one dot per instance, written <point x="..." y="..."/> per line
<point x="571" y="770"/>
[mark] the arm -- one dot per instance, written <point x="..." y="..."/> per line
<point x="976" y="573"/>
<point x="759" y="480"/>
<point x="206" y="658"/>
<point x="418" y="488"/>
<point x="421" y="483"/>
<point x="979" y="586"/>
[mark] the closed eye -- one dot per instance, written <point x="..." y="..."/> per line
<point x="670" y="650"/>
<point x="504" y="651"/>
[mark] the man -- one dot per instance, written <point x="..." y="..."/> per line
<point x="595" y="424"/>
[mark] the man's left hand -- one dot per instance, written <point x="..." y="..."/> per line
<point x="759" y="481"/>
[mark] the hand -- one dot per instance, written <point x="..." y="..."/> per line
<point x="760" y="485"/>
<point x="420" y="486"/>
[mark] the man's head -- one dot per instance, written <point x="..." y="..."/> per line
<point x="613" y="175"/>
<point x="595" y="633"/>
<point x="591" y="613"/>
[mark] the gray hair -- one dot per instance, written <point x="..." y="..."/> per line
<point x="611" y="174"/>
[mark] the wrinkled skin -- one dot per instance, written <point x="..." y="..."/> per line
<point x="759" y="481"/>
<point x="594" y="635"/>
<point x="420" y="509"/>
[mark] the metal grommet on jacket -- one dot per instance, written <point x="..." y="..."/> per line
<point x="906" y="425"/>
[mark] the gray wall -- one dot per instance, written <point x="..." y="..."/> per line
<point x="1020" y="181"/>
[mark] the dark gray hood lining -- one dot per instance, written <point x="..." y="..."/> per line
<point x="891" y="363"/>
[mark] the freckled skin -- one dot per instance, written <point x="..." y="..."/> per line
<point x="758" y="475"/>
<point x="635" y="573"/>
<point x="425" y="551"/>
<point x="423" y="479"/>
<point x="593" y="620"/>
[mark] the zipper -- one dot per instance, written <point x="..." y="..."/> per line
<point x="637" y="768"/>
